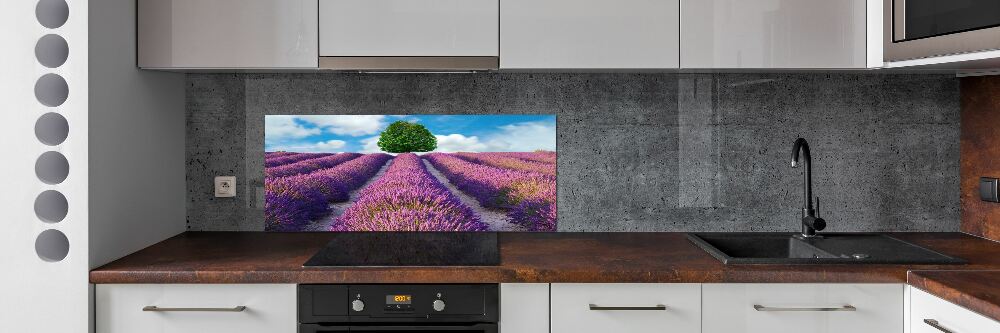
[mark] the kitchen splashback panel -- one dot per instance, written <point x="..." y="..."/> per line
<point x="410" y="173"/>
<point x="637" y="152"/>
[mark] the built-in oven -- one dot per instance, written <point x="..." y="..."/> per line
<point x="377" y="308"/>
<point x="916" y="29"/>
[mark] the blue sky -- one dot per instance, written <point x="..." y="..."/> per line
<point x="359" y="133"/>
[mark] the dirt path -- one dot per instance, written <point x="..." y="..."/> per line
<point x="324" y="223"/>
<point x="495" y="218"/>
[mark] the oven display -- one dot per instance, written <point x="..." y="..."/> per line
<point x="398" y="299"/>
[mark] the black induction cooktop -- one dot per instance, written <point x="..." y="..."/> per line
<point x="408" y="249"/>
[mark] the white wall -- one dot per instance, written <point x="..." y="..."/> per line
<point x="137" y="131"/>
<point x="37" y="295"/>
<point x="137" y="186"/>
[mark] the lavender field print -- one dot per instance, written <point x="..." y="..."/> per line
<point x="410" y="173"/>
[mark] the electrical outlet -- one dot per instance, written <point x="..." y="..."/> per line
<point x="988" y="189"/>
<point x="225" y="186"/>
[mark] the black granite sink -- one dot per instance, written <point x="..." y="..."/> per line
<point x="832" y="248"/>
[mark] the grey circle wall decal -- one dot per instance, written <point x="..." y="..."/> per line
<point x="52" y="167"/>
<point x="51" y="90"/>
<point x="51" y="51"/>
<point x="52" y="245"/>
<point x="52" y="13"/>
<point x="51" y="206"/>
<point x="51" y="129"/>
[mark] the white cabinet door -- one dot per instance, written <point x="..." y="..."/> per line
<point x="927" y="310"/>
<point x="774" y="34"/>
<point x="524" y="308"/>
<point x="227" y="34"/>
<point x="627" y="307"/>
<point x="270" y="308"/>
<point x="802" y="308"/>
<point x="426" y="28"/>
<point x="589" y="34"/>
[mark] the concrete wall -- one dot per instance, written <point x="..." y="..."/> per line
<point x="637" y="152"/>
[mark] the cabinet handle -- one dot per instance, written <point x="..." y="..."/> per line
<point x="768" y="308"/>
<point x="934" y="323"/>
<point x="159" y="309"/>
<point x="595" y="307"/>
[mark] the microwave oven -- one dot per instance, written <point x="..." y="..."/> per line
<point x="915" y="29"/>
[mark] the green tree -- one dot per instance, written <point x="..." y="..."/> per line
<point x="405" y="137"/>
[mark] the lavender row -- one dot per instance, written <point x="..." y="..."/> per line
<point x="501" y="160"/>
<point x="282" y="160"/>
<point x="271" y="154"/>
<point x="309" y="165"/>
<point x="408" y="198"/>
<point x="528" y="197"/>
<point x="541" y="156"/>
<point x="292" y="201"/>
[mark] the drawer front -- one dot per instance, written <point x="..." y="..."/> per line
<point x="803" y="308"/>
<point x="269" y="308"/>
<point x="633" y="308"/>
<point x="947" y="316"/>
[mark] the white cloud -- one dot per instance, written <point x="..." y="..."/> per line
<point x="457" y="142"/>
<point x="331" y="146"/>
<point x="347" y="124"/>
<point x="526" y="136"/>
<point x="279" y="128"/>
<point x="370" y="145"/>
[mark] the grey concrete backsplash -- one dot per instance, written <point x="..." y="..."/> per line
<point x="637" y="152"/>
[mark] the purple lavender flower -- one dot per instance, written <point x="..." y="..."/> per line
<point x="286" y="159"/>
<point x="309" y="165"/>
<point x="294" y="200"/>
<point x="535" y="156"/>
<point x="271" y="154"/>
<point x="408" y="198"/>
<point x="505" y="161"/>
<point x="528" y="197"/>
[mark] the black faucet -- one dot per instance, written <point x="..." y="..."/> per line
<point x="810" y="221"/>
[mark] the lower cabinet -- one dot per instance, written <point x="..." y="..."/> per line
<point x="187" y="308"/>
<point x="630" y="307"/>
<point x="802" y="308"/>
<point x="569" y="308"/>
<point x="930" y="314"/>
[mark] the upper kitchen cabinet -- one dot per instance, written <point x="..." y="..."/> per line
<point x="800" y="34"/>
<point x="219" y="34"/>
<point x="589" y="34"/>
<point x="409" y="34"/>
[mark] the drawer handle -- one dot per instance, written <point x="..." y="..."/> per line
<point x="934" y="323"/>
<point x="159" y="309"/>
<point x="769" y="308"/>
<point x="595" y="307"/>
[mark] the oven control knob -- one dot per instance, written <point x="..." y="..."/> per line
<point x="438" y="305"/>
<point x="358" y="305"/>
